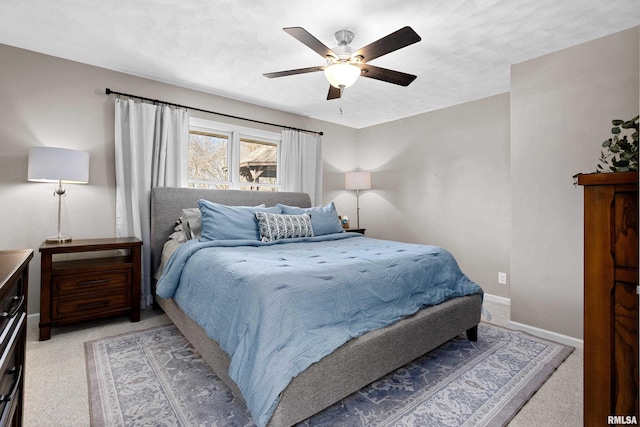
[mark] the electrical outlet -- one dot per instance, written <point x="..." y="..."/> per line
<point x="502" y="278"/>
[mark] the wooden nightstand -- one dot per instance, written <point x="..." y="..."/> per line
<point x="85" y="289"/>
<point x="355" y="230"/>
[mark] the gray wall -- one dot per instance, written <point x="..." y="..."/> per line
<point x="442" y="178"/>
<point x="562" y="105"/>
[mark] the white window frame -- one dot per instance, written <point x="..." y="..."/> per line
<point x="236" y="134"/>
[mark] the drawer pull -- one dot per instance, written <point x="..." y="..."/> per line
<point x="14" y="389"/>
<point x="94" y="304"/>
<point x="16" y="309"/>
<point x="93" y="282"/>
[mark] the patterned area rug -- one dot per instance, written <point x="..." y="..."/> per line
<point x="154" y="377"/>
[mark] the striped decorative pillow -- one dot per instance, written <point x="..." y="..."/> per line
<point x="275" y="227"/>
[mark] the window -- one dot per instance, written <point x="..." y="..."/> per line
<point x="208" y="160"/>
<point x="225" y="156"/>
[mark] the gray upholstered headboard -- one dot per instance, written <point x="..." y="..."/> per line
<point x="167" y="204"/>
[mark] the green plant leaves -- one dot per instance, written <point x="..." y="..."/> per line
<point x="621" y="154"/>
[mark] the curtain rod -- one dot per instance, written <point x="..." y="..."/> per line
<point x="157" y="101"/>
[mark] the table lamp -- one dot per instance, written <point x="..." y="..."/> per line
<point x="61" y="165"/>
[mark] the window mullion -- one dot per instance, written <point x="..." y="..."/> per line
<point x="234" y="160"/>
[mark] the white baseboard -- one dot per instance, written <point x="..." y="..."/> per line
<point x="33" y="318"/>
<point x="497" y="299"/>
<point x="542" y="333"/>
<point x="549" y="335"/>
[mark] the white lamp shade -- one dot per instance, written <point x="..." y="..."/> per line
<point x="50" y="164"/>
<point x="357" y="181"/>
<point x="342" y="74"/>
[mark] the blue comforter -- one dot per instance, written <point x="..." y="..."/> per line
<point x="278" y="307"/>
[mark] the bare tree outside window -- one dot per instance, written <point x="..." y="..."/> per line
<point x="208" y="160"/>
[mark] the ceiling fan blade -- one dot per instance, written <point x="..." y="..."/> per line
<point x="292" y="72"/>
<point x="334" y="93"/>
<point x="397" y="40"/>
<point x="386" y="75"/>
<point x="304" y="37"/>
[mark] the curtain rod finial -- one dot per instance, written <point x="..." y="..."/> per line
<point x="107" y="91"/>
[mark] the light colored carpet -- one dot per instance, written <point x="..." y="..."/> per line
<point x="155" y="377"/>
<point x="57" y="394"/>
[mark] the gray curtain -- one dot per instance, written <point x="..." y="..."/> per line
<point x="301" y="163"/>
<point x="150" y="148"/>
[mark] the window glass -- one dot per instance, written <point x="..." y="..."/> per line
<point x="231" y="157"/>
<point x="208" y="160"/>
<point x="258" y="165"/>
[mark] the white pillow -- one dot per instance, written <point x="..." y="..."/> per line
<point x="192" y="223"/>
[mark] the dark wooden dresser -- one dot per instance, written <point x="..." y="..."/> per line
<point x="610" y="296"/>
<point x="92" y="287"/>
<point x="14" y="285"/>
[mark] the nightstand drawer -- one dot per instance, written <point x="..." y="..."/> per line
<point x="90" y="282"/>
<point x="68" y="307"/>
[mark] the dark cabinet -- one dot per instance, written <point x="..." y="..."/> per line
<point x="610" y="296"/>
<point x="14" y="284"/>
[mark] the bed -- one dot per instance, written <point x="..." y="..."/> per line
<point x="352" y="365"/>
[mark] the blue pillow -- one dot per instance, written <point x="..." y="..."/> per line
<point x="222" y="222"/>
<point x="324" y="219"/>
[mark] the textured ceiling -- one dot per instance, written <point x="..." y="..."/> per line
<point x="224" y="46"/>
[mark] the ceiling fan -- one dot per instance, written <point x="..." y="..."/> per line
<point x="344" y="65"/>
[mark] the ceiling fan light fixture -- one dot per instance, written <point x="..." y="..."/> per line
<point x="342" y="74"/>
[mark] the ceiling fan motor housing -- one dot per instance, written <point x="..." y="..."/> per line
<point x="342" y="50"/>
<point x="344" y="37"/>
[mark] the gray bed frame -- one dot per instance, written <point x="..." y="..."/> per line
<point x="349" y="368"/>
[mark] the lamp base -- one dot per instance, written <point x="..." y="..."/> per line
<point x="60" y="232"/>
<point x="60" y="239"/>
